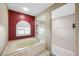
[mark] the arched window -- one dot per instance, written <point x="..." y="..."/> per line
<point x="23" y="28"/>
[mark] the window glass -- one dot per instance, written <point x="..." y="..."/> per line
<point x="23" y="28"/>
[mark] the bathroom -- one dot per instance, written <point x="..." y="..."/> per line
<point x="39" y="29"/>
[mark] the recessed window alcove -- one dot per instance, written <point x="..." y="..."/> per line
<point x="23" y="28"/>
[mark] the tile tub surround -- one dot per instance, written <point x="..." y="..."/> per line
<point x="33" y="49"/>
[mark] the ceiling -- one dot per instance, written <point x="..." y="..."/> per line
<point x="34" y="8"/>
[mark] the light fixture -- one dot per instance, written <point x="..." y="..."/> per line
<point x="26" y="9"/>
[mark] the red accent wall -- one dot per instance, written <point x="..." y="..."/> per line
<point x="15" y="17"/>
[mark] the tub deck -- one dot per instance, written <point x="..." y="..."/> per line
<point x="18" y="45"/>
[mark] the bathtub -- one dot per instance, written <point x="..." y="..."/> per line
<point x="24" y="47"/>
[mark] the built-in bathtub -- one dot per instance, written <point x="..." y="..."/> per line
<point x="24" y="47"/>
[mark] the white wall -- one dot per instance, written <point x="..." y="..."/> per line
<point x="63" y="34"/>
<point x="3" y="26"/>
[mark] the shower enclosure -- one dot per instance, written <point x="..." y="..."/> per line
<point x="63" y="30"/>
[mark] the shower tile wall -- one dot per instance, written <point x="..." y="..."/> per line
<point x="43" y="23"/>
<point x="63" y="33"/>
